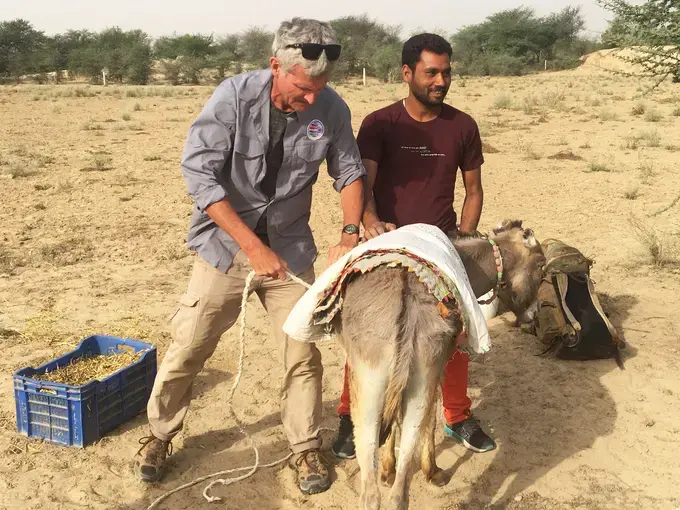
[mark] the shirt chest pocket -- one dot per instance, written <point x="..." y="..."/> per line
<point x="248" y="154"/>
<point x="312" y="154"/>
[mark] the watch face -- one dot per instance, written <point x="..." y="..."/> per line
<point x="351" y="229"/>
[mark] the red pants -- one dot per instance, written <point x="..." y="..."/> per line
<point x="454" y="389"/>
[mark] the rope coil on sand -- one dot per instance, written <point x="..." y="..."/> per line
<point x="251" y="469"/>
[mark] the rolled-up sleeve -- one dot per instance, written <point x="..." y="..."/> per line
<point x="344" y="160"/>
<point x="209" y="146"/>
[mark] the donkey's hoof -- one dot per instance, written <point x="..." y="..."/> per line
<point x="398" y="503"/>
<point x="371" y="502"/>
<point x="387" y="479"/>
<point x="439" y="478"/>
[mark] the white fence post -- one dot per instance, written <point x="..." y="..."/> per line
<point x="364" y="76"/>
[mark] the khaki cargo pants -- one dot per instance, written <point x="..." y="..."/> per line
<point x="210" y="307"/>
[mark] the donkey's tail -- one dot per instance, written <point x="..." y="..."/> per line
<point x="402" y="362"/>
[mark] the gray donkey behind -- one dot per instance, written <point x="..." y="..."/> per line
<point x="398" y="341"/>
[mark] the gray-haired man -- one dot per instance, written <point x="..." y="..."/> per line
<point x="249" y="162"/>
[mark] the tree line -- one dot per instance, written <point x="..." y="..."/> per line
<point x="510" y="42"/>
<point x="653" y="28"/>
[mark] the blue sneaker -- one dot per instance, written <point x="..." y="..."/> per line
<point x="343" y="446"/>
<point x="469" y="432"/>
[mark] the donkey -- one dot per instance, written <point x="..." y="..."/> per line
<point x="398" y="341"/>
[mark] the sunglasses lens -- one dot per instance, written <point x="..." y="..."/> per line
<point x="333" y="51"/>
<point x="311" y="51"/>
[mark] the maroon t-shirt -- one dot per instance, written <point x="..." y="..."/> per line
<point x="418" y="161"/>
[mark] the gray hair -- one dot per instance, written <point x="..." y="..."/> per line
<point x="302" y="30"/>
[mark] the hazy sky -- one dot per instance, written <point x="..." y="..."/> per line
<point x="160" y="17"/>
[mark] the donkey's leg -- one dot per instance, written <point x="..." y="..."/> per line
<point x="388" y="459"/>
<point x="432" y="472"/>
<point x="368" y="385"/>
<point x="417" y="404"/>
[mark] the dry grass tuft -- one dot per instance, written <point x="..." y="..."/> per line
<point x="653" y="115"/>
<point x="566" y="155"/>
<point x="639" y="109"/>
<point x="502" y="102"/>
<point x="649" y="138"/>
<point x="646" y="169"/>
<point x="530" y="104"/>
<point x="532" y="154"/>
<point x="91" y="126"/>
<point x="631" y="193"/>
<point x="554" y="99"/>
<point x="661" y="249"/>
<point x="66" y="186"/>
<point x="594" y="101"/>
<point x="18" y="171"/>
<point x="42" y="160"/>
<point x="9" y="261"/>
<point x="100" y="163"/>
<point x="68" y="252"/>
<point x="607" y="115"/>
<point x="597" y="167"/>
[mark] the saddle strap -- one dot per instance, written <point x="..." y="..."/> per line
<point x="562" y="282"/>
<point x="596" y="302"/>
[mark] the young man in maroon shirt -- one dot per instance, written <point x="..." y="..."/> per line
<point x="412" y="151"/>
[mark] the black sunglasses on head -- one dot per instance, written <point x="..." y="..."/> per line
<point x="312" y="51"/>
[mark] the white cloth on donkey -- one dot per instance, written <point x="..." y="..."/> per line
<point x="423" y="241"/>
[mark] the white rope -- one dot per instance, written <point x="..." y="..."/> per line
<point x="298" y="280"/>
<point x="251" y="469"/>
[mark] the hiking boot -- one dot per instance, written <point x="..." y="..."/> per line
<point x="149" y="462"/>
<point x="312" y="473"/>
<point x="343" y="446"/>
<point x="469" y="432"/>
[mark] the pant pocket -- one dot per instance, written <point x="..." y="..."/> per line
<point x="185" y="320"/>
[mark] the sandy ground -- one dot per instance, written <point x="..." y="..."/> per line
<point x="93" y="218"/>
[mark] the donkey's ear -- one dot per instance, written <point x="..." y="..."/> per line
<point x="506" y="225"/>
<point x="530" y="240"/>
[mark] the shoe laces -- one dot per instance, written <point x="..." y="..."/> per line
<point x="472" y="420"/>
<point x="314" y="463"/>
<point x="154" y="451"/>
<point x="470" y="425"/>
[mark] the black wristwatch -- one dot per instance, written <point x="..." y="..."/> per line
<point x="351" y="229"/>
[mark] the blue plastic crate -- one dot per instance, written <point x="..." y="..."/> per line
<point x="80" y="415"/>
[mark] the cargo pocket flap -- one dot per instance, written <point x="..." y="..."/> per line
<point x="188" y="300"/>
